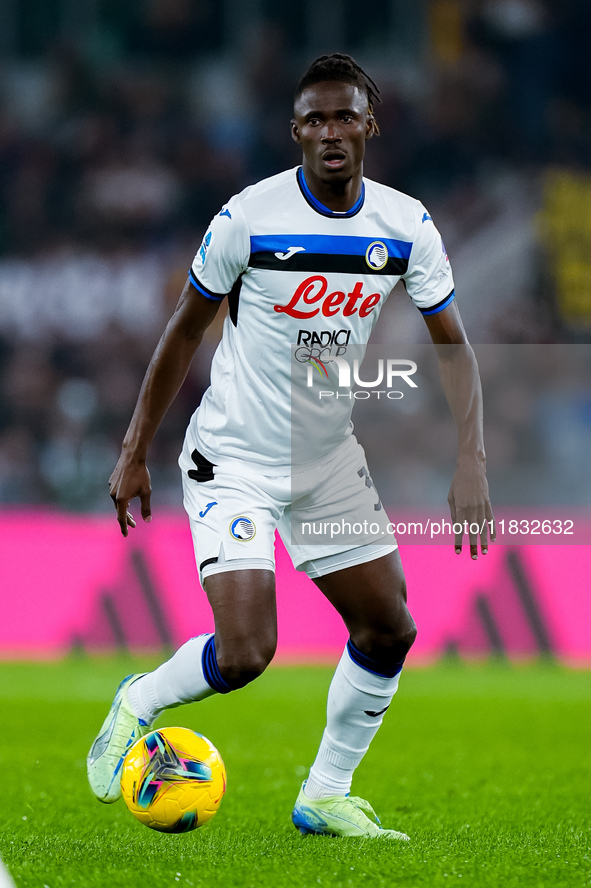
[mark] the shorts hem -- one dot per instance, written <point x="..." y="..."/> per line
<point x="216" y="567"/>
<point x="320" y="567"/>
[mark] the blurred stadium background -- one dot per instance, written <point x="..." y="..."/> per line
<point x="123" y="129"/>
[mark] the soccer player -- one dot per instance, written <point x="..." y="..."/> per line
<point x="314" y="250"/>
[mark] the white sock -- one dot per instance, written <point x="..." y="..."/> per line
<point x="179" y="680"/>
<point x="354" y="692"/>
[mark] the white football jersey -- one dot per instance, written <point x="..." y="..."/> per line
<point x="298" y="275"/>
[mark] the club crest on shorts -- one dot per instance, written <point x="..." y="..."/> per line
<point x="242" y="528"/>
<point x="376" y="255"/>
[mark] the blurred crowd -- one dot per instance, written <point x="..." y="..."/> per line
<point x="133" y="150"/>
<point x="118" y="145"/>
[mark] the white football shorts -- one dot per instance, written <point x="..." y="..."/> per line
<point x="329" y="516"/>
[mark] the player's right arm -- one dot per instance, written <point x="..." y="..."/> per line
<point x="429" y="282"/>
<point x="165" y="375"/>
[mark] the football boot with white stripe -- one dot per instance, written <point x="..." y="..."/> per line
<point x="119" y="731"/>
<point x="340" y="816"/>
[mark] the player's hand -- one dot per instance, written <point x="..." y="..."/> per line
<point x="130" y="478"/>
<point x="470" y="506"/>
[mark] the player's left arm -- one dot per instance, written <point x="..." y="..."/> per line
<point x="468" y="495"/>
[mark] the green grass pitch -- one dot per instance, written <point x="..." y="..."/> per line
<point x="486" y="767"/>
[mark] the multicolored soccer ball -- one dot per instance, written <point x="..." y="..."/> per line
<point x="173" y="780"/>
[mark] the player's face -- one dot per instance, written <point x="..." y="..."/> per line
<point x="332" y="124"/>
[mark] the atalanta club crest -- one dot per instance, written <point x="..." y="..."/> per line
<point x="376" y="255"/>
<point x="242" y="529"/>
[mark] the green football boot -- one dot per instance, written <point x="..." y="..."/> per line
<point x="340" y="816"/>
<point x="118" y="733"/>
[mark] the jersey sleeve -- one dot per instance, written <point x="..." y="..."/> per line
<point x="429" y="280"/>
<point x="223" y="254"/>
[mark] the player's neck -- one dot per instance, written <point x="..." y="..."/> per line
<point x="339" y="197"/>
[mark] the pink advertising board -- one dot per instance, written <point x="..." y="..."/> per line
<point x="73" y="581"/>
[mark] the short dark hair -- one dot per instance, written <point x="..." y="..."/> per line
<point x="338" y="66"/>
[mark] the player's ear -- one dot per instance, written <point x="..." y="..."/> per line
<point x="371" y="127"/>
<point x="295" y="133"/>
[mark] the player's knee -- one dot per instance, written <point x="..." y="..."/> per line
<point x="398" y="634"/>
<point x="388" y="644"/>
<point x="243" y="662"/>
<point x="405" y="638"/>
<point x="401" y="638"/>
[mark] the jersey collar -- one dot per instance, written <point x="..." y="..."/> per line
<point x="320" y="208"/>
